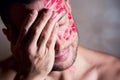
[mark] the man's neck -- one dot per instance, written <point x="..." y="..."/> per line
<point x="79" y="68"/>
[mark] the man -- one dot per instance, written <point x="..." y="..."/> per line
<point x="44" y="43"/>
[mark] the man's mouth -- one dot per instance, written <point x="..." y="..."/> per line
<point x="62" y="56"/>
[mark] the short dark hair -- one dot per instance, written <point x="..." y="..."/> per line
<point x="4" y="4"/>
<point x="4" y="7"/>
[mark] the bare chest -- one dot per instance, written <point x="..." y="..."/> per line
<point x="92" y="75"/>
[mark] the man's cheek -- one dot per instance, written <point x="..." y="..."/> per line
<point x="56" y="5"/>
<point x="69" y="32"/>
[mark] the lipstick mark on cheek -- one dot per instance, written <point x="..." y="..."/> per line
<point x="68" y="33"/>
<point x="58" y="7"/>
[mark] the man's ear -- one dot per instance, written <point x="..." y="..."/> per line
<point x="67" y="2"/>
<point x="8" y="33"/>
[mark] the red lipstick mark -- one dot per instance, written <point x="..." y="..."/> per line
<point x="58" y="7"/>
<point x="48" y="3"/>
<point x="71" y="29"/>
<point x="69" y="16"/>
<point x="67" y="34"/>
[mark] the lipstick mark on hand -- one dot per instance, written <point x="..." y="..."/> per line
<point x="67" y="34"/>
<point x="58" y="7"/>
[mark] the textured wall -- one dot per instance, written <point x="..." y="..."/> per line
<point x="98" y="23"/>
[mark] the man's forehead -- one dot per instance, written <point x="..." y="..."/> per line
<point x="22" y="10"/>
<point x="55" y="5"/>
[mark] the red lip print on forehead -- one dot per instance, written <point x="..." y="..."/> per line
<point x="56" y="5"/>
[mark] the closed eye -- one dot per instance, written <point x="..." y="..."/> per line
<point x="62" y="20"/>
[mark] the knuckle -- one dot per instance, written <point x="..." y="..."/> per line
<point x="33" y="14"/>
<point x="51" y="21"/>
<point x="47" y="14"/>
<point x="43" y="36"/>
<point x="30" y="50"/>
<point x="43" y="18"/>
<point x="25" y="30"/>
<point x="36" y="31"/>
<point x="49" y="42"/>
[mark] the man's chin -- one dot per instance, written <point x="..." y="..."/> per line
<point x="64" y="66"/>
<point x="60" y="68"/>
<point x="61" y="65"/>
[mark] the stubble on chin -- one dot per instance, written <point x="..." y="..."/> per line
<point x="71" y="61"/>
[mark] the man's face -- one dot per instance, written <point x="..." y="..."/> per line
<point x="67" y="39"/>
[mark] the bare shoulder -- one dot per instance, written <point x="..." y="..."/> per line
<point x="107" y="66"/>
<point x="97" y="56"/>
<point x="109" y="70"/>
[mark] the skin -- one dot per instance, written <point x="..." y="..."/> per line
<point x="44" y="44"/>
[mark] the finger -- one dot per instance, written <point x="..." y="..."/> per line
<point x="38" y="27"/>
<point x="45" y="35"/>
<point x="51" y="42"/>
<point x="26" y="25"/>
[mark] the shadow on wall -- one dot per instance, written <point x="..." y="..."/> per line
<point x="98" y="23"/>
